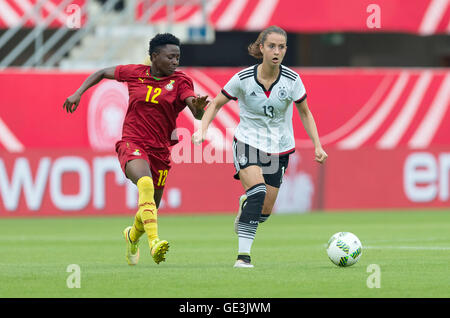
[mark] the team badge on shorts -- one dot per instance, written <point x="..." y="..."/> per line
<point x="169" y="86"/>
<point x="137" y="152"/>
<point x="243" y="160"/>
<point x="282" y="93"/>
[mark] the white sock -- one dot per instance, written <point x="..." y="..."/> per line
<point x="245" y="245"/>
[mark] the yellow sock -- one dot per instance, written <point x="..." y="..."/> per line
<point x="138" y="228"/>
<point x="147" y="208"/>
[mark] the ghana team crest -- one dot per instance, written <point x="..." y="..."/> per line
<point x="169" y="86"/>
<point x="137" y="152"/>
<point x="282" y="93"/>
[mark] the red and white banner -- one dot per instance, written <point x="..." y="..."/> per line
<point x="415" y="16"/>
<point x="422" y="17"/>
<point x="381" y="108"/>
<point x="385" y="130"/>
<point x="54" y="13"/>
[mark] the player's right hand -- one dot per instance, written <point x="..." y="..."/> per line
<point x="71" y="103"/>
<point x="198" y="137"/>
<point x="321" y="155"/>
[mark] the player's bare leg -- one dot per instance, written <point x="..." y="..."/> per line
<point x="269" y="202"/>
<point x="136" y="169"/>
<point x="158" y="196"/>
<point x="250" y="176"/>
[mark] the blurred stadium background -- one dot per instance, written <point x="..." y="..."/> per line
<point x="376" y="73"/>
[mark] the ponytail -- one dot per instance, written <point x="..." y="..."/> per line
<point x="253" y="48"/>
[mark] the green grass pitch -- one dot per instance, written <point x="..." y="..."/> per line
<point x="412" y="250"/>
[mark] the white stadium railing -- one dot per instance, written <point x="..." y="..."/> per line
<point x="94" y="34"/>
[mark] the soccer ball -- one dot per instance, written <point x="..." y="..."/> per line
<point x="344" y="249"/>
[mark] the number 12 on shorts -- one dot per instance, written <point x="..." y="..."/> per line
<point x="162" y="177"/>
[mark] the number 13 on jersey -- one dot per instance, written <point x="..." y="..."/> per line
<point x="268" y="111"/>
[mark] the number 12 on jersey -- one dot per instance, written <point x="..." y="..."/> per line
<point x="155" y="94"/>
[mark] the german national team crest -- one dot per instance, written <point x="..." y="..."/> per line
<point x="169" y="86"/>
<point x="282" y="93"/>
<point x="243" y="160"/>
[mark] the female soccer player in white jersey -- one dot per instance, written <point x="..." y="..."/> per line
<point x="264" y="138"/>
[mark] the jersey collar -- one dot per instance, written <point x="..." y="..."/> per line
<point x="149" y="74"/>
<point x="255" y="73"/>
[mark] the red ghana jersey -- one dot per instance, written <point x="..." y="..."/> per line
<point x="153" y="105"/>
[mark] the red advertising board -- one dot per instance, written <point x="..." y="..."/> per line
<point x="385" y="130"/>
<point x="379" y="179"/>
<point x="82" y="182"/>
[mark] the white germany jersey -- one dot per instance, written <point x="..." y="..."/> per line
<point x="266" y="115"/>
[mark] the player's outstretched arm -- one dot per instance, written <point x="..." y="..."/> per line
<point x="200" y="135"/>
<point x="311" y="128"/>
<point x="71" y="103"/>
<point x="197" y="105"/>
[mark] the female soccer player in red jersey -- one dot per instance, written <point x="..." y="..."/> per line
<point x="264" y="137"/>
<point x="157" y="94"/>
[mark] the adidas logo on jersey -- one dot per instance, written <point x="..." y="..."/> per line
<point x="253" y="94"/>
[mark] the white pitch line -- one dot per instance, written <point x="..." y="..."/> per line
<point x="439" y="248"/>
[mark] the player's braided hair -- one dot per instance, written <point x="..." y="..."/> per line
<point x="162" y="39"/>
<point x="253" y="48"/>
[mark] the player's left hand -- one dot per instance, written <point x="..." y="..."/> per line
<point x="198" y="137"/>
<point x="200" y="102"/>
<point x="71" y="103"/>
<point x="320" y="154"/>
